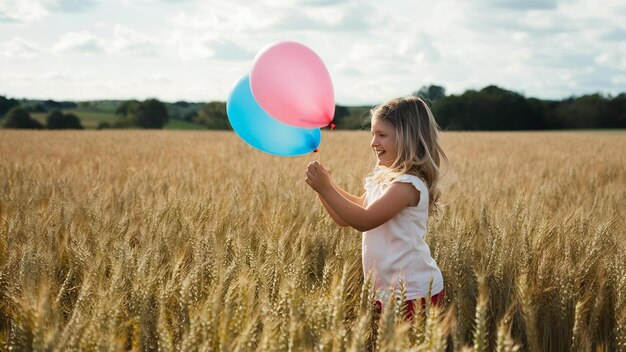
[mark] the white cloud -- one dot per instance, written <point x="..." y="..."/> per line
<point x="197" y="47"/>
<point x="124" y="41"/>
<point x="71" y="5"/>
<point x="22" y="10"/>
<point x="18" y="48"/>
<point x="220" y="19"/>
<point x="143" y="2"/>
<point x="33" y="10"/>
<point x="70" y="85"/>
<point x="419" y="47"/>
<point x="79" y="41"/>
<point x="47" y="77"/>
<point x="617" y="34"/>
<point x="517" y="5"/>
<point x="132" y="42"/>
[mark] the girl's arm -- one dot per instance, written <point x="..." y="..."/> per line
<point x="354" y="199"/>
<point x="396" y="197"/>
<point x="332" y="213"/>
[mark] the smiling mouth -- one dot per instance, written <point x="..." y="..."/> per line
<point x="380" y="152"/>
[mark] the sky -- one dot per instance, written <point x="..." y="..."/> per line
<point x="374" y="50"/>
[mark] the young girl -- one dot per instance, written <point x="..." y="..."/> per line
<point x="400" y="194"/>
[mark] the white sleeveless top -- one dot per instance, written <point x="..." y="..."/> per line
<point x="396" y="249"/>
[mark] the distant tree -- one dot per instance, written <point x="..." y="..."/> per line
<point x="50" y="105"/>
<point x="189" y="115"/>
<point x="127" y="108"/>
<point x="491" y="108"/>
<point x="432" y="93"/>
<point x="341" y="112"/>
<point x="616" y="112"/>
<point x="36" y="107"/>
<point x="151" y="114"/>
<point x="182" y="110"/>
<point x="6" y="105"/>
<point x="57" y="120"/>
<point x="213" y="116"/>
<point x="19" y="118"/>
<point x="351" y="118"/>
<point x="68" y="105"/>
<point x="587" y="111"/>
<point x="537" y="120"/>
<point x="73" y="122"/>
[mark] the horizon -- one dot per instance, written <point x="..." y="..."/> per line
<point x="194" y="51"/>
<point x="604" y="95"/>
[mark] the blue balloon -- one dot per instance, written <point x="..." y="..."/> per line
<point x="262" y="131"/>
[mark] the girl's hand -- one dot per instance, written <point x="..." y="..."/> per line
<point x="318" y="177"/>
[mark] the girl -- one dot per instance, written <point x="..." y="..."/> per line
<point x="400" y="194"/>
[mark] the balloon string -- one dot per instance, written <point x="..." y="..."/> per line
<point x="317" y="151"/>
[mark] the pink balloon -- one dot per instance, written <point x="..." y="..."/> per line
<point x="291" y="83"/>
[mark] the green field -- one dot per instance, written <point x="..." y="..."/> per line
<point x="90" y="119"/>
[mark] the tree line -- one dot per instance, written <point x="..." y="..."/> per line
<point x="15" y="116"/>
<point x="491" y="108"/>
<point x="494" y="108"/>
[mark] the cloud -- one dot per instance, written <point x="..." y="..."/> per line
<point x="72" y="85"/>
<point x="531" y="23"/>
<point x="517" y="5"/>
<point x="339" y="17"/>
<point x="420" y="47"/>
<point x="48" y="77"/>
<point x="220" y="19"/>
<point x="279" y="15"/>
<point x="196" y="47"/>
<point x="132" y="42"/>
<point x="613" y="59"/>
<point x="227" y="50"/>
<point x="599" y="79"/>
<point x="18" y="48"/>
<point x="22" y="10"/>
<point x="72" y="5"/>
<point x="80" y="42"/>
<point x="142" y="2"/>
<point x="33" y="10"/>
<point x="617" y="34"/>
<point x="125" y="41"/>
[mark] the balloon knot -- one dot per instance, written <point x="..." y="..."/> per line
<point x="332" y="126"/>
<point x="315" y="151"/>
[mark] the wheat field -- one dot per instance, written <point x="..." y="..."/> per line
<point x="193" y="241"/>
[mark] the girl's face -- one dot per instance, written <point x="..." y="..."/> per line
<point x="384" y="142"/>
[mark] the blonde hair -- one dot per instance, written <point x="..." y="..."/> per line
<point x="417" y="144"/>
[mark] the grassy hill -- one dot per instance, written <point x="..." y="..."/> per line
<point x="90" y="118"/>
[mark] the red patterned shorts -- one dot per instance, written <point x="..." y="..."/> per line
<point x="436" y="300"/>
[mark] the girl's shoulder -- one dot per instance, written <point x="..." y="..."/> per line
<point x="380" y="179"/>
<point x="415" y="180"/>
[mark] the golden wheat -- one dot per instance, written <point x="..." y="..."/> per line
<point x="193" y="241"/>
